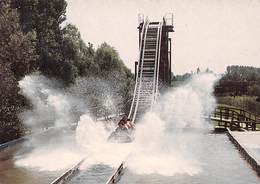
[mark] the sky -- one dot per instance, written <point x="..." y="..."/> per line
<point x="208" y="33"/>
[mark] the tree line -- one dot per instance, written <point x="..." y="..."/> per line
<point x="240" y="80"/>
<point x="238" y="86"/>
<point x="35" y="38"/>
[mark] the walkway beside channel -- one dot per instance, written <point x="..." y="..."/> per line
<point x="248" y="143"/>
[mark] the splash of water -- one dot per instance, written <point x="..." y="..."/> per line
<point x="55" y="152"/>
<point x="50" y="106"/>
<point x="92" y="139"/>
<point x="50" y="158"/>
<point x="165" y="141"/>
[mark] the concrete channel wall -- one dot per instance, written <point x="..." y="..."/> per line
<point x="12" y="143"/>
<point x="26" y="137"/>
<point x="244" y="152"/>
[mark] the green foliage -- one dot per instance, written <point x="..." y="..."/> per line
<point x="31" y="39"/>
<point x="254" y="90"/>
<point x="17" y="58"/>
<point x="17" y="48"/>
<point x="108" y="59"/>
<point x="107" y="76"/>
<point x="242" y="73"/>
<point x="183" y="77"/>
<point x="52" y="63"/>
<point x="28" y="12"/>
<point x="76" y="51"/>
<point x="112" y="68"/>
<point x="62" y="52"/>
<point x="44" y="18"/>
<point x="240" y="80"/>
<point x="244" y="102"/>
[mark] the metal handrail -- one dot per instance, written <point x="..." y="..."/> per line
<point x="234" y="109"/>
<point x="155" y="64"/>
<point x="243" y="110"/>
<point x="158" y="65"/>
<point x="141" y="73"/>
<point x="137" y="76"/>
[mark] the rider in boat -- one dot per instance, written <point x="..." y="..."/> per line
<point x="125" y="124"/>
<point x="129" y="125"/>
<point x="122" y="122"/>
<point x="123" y="131"/>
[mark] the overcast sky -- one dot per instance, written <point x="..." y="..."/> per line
<point x="208" y="33"/>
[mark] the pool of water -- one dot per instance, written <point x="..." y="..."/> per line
<point x="222" y="163"/>
<point x="93" y="175"/>
<point x="11" y="173"/>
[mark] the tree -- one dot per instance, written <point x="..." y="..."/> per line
<point x="108" y="59"/>
<point x="254" y="90"/>
<point x="44" y="17"/>
<point x="17" y="56"/>
<point x="76" y="51"/>
<point x="17" y="49"/>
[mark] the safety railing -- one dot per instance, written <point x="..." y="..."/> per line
<point x="235" y="118"/>
<point x="138" y="81"/>
<point x="158" y="65"/>
<point x="141" y="72"/>
<point x="157" y="60"/>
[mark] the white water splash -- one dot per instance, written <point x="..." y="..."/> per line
<point x="165" y="141"/>
<point x="50" y="106"/>
<point x="92" y="139"/>
<point x="50" y="158"/>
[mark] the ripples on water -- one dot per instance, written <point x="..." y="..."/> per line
<point x="93" y="175"/>
<point x="222" y="164"/>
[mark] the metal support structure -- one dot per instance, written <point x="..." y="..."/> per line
<point x="154" y="66"/>
<point x="170" y="57"/>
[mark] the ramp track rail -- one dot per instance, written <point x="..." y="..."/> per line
<point x="146" y="90"/>
<point x="147" y="80"/>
